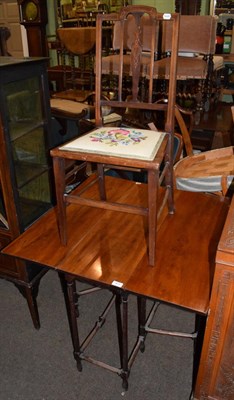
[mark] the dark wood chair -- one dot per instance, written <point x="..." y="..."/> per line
<point x="159" y="145"/>
<point x="197" y="65"/>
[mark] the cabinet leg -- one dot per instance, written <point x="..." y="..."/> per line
<point x="32" y="305"/>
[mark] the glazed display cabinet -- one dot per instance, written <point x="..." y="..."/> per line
<point x="25" y="170"/>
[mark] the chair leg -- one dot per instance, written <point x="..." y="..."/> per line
<point x="153" y="178"/>
<point x="169" y="177"/>
<point x="101" y="181"/>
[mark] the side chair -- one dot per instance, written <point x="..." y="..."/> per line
<point x="197" y="63"/>
<point x="126" y="148"/>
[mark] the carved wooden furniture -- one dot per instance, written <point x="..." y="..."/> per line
<point x="196" y="64"/>
<point x="96" y="253"/>
<point x="25" y="171"/>
<point x="132" y="159"/>
<point x="216" y="376"/>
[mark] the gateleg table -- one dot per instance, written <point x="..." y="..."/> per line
<point x="98" y="254"/>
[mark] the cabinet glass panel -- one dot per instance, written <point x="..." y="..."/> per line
<point x="3" y="216"/>
<point x="26" y="132"/>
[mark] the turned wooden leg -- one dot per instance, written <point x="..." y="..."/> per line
<point x="59" y="176"/>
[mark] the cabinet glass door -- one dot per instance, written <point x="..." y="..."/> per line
<point x="3" y="216"/>
<point x="27" y="144"/>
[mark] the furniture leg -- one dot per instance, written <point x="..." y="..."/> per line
<point x="118" y="303"/>
<point x="72" y="317"/>
<point x="153" y="177"/>
<point x="32" y="305"/>
<point x="200" y="325"/>
<point x="59" y="174"/>
<point x="125" y="369"/>
<point x="141" y="303"/>
<point x="79" y="350"/>
<point x="101" y="181"/>
<point x="169" y="180"/>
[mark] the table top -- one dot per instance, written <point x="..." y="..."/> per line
<point x="108" y="246"/>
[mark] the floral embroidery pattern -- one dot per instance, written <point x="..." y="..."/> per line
<point x="118" y="136"/>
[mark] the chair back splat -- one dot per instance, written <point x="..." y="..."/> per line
<point x="127" y="148"/>
<point x="136" y="44"/>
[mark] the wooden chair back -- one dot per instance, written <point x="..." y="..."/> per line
<point x="197" y="34"/>
<point x="196" y="66"/>
<point x="130" y="27"/>
<point x="140" y="88"/>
